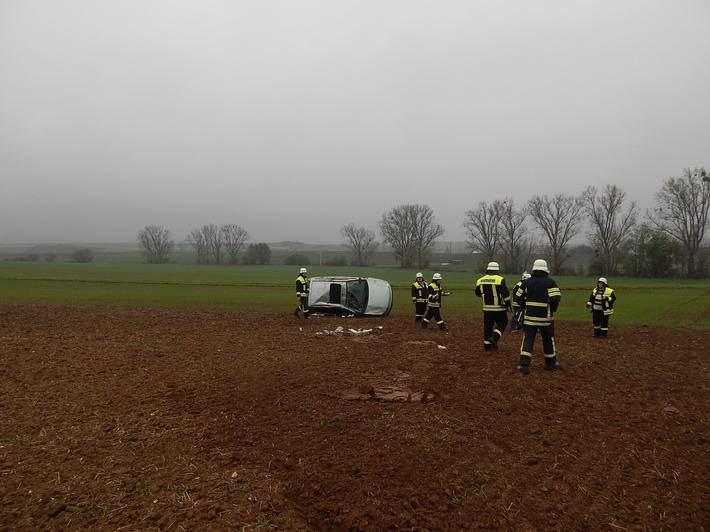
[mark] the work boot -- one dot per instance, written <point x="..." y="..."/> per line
<point x="525" y="370"/>
<point x="554" y="367"/>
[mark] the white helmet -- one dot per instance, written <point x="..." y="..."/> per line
<point x="602" y="280"/>
<point x="526" y="275"/>
<point x="540" y="265"/>
<point x="303" y="270"/>
<point x="420" y="274"/>
<point x="436" y="277"/>
<point x="493" y="266"/>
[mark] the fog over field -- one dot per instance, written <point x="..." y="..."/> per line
<point x="294" y="118"/>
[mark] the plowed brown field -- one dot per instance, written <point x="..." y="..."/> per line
<point x="176" y="419"/>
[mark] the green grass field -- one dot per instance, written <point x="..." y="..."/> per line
<point x="674" y="303"/>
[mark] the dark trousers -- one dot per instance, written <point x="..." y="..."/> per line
<point x="494" y="322"/>
<point x="419" y="310"/>
<point x="547" y="333"/>
<point x="601" y="323"/>
<point x="435" y="313"/>
<point x="303" y="307"/>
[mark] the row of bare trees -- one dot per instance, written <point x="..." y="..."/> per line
<point x="681" y="212"/>
<point x="411" y="230"/>
<point x="214" y="243"/>
<point x="500" y="231"/>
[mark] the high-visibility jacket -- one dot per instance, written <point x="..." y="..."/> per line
<point x="492" y="290"/>
<point x="539" y="296"/>
<point x="603" y="300"/>
<point x="435" y="293"/>
<point x="515" y="288"/>
<point x="302" y="286"/>
<point x="420" y="292"/>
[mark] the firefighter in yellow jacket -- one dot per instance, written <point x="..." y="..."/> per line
<point x="435" y="295"/>
<point x="420" y="293"/>
<point x="492" y="290"/>
<point x="302" y="290"/>
<point x="601" y="303"/>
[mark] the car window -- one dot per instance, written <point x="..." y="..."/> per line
<point x="335" y="293"/>
<point x="356" y="295"/>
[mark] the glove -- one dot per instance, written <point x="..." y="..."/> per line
<point x="589" y="305"/>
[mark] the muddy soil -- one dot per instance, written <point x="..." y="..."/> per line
<point x="176" y="419"/>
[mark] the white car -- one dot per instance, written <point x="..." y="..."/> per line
<point x="361" y="296"/>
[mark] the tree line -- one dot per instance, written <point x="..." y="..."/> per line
<point x="624" y="243"/>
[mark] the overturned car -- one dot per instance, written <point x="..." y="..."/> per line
<point x="360" y="296"/>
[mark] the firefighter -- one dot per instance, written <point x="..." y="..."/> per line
<point x="516" y="308"/>
<point x="601" y="303"/>
<point x="420" y="293"/>
<point x="494" y="294"/>
<point x="538" y="297"/>
<point x="434" y="297"/>
<point x="302" y="293"/>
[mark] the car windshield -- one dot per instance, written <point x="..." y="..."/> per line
<point x="356" y="295"/>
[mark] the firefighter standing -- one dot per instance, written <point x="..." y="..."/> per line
<point x="538" y="297"/>
<point x="302" y="293"/>
<point x="492" y="290"/>
<point x="516" y="308"/>
<point x="420" y="293"/>
<point x="435" y="295"/>
<point x="601" y="302"/>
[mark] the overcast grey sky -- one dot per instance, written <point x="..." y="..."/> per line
<point x="293" y="118"/>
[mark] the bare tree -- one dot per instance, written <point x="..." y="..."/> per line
<point x="213" y="237"/>
<point x="361" y="242"/>
<point x="516" y="244"/>
<point x="426" y="231"/>
<point x="156" y="243"/>
<point x="682" y="211"/>
<point x="234" y="238"/>
<point x="412" y="231"/>
<point x="610" y="224"/>
<point x="196" y="239"/>
<point x="559" y="219"/>
<point x="482" y="226"/>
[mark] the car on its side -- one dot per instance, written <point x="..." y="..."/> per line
<point x="360" y="296"/>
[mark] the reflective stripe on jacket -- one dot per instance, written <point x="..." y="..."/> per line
<point x="515" y="288"/>
<point x="420" y="292"/>
<point x="301" y="286"/>
<point x="435" y="293"/>
<point x="492" y="290"/>
<point x="539" y="296"/>
<point x="603" y="300"/>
